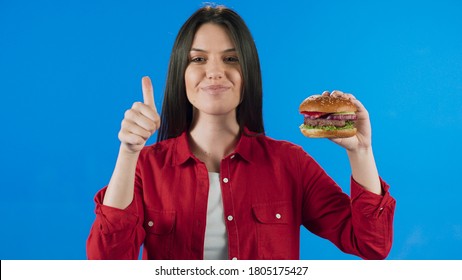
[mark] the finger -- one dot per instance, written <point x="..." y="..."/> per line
<point x="337" y="93"/>
<point x="146" y="110"/>
<point x="350" y="96"/>
<point x="325" y="93"/>
<point x="138" y="130"/>
<point x="362" y="112"/>
<point x="147" y="124"/>
<point x="358" y="104"/>
<point x="130" y="138"/>
<point x="150" y="123"/>
<point x="148" y="92"/>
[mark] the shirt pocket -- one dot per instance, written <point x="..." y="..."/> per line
<point x="160" y="227"/>
<point x="277" y="235"/>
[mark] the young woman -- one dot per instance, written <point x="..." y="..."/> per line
<point x="214" y="186"/>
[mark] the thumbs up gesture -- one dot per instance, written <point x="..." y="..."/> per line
<point x="140" y="122"/>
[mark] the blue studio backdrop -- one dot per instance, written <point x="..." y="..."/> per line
<point x="69" y="70"/>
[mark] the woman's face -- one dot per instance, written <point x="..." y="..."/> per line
<point x="213" y="76"/>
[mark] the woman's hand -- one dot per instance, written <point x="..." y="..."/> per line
<point x="359" y="148"/>
<point x="140" y="122"/>
<point x="362" y="139"/>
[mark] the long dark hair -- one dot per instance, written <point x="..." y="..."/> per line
<point x="176" y="109"/>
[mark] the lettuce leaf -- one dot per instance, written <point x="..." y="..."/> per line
<point x="348" y="125"/>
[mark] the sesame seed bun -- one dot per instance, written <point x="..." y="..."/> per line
<point x="327" y="104"/>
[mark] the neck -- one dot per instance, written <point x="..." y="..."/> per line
<point x="213" y="139"/>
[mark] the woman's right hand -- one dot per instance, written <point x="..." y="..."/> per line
<point x="140" y="122"/>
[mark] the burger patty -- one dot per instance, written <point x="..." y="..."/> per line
<point x="325" y="122"/>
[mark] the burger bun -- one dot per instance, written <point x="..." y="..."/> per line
<point x="322" y="133"/>
<point x="327" y="104"/>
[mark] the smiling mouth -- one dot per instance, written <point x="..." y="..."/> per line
<point x="215" y="89"/>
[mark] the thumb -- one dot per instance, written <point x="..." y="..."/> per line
<point x="148" y="92"/>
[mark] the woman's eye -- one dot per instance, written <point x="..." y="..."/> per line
<point x="197" y="59"/>
<point x="231" y="59"/>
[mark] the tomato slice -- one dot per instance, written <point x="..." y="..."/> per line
<point x="313" y="115"/>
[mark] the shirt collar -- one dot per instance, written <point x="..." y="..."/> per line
<point x="181" y="151"/>
<point x="244" y="146"/>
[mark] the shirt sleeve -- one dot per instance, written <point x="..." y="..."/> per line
<point x="360" y="225"/>
<point x="372" y="220"/>
<point x="115" y="233"/>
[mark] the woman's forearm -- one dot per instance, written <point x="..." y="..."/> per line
<point x="119" y="193"/>
<point x="364" y="169"/>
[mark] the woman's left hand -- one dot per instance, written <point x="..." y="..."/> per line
<point x="362" y="139"/>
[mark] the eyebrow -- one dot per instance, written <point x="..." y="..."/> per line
<point x="201" y="50"/>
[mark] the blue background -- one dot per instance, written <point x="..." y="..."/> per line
<point x="69" y="70"/>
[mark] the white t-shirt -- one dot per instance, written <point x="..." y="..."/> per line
<point x="216" y="238"/>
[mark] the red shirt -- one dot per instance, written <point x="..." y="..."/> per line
<point x="269" y="189"/>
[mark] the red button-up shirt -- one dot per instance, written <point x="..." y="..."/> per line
<point x="269" y="189"/>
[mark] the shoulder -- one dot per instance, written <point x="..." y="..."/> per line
<point x="285" y="157"/>
<point x="280" y="145"/>
<point x="159" y="147"/>
<point x="281" y="149"/>
<point x="160" y="151"/>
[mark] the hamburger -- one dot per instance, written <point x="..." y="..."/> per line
<point x="327" y="116"/>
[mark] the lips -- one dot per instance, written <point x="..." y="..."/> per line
<point x="215" y="89"/>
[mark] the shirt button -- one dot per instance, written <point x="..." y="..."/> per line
<point x="150" y="223"/>
<point x="225" y="180"/>
<point x="233" y="156"/>
<point x="278" y="216"/>
<point x="234" y="258"/>
<point x="230" y="218"/>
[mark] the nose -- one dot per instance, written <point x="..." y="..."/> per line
<point x="214" y="70"/>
